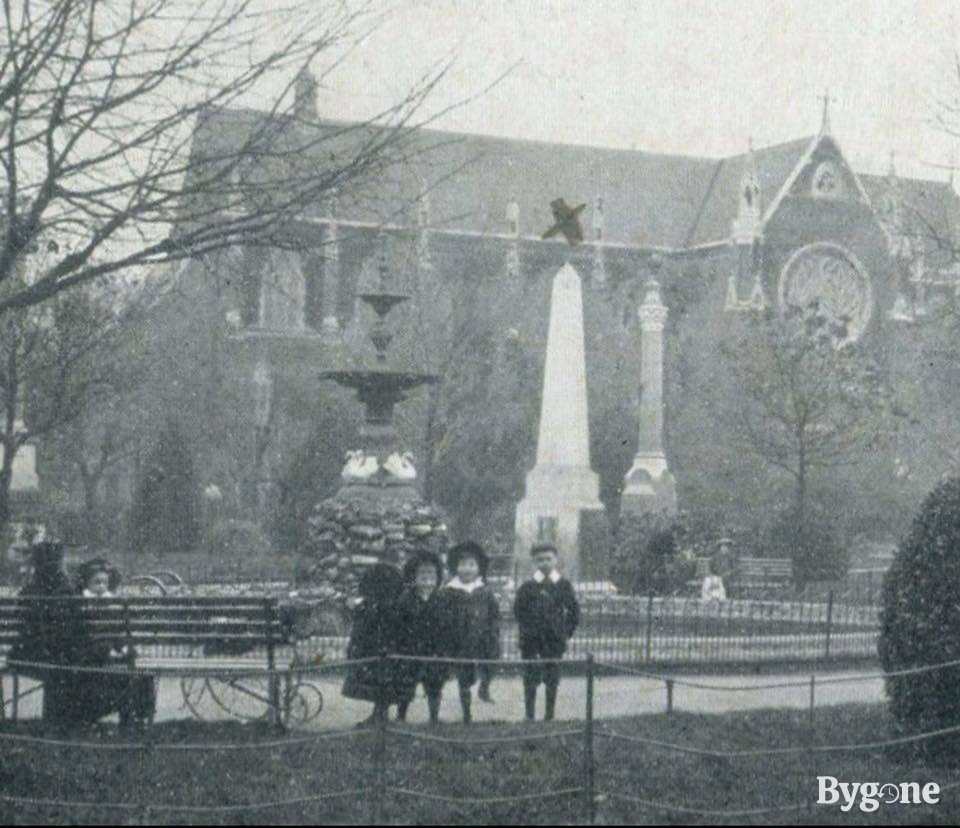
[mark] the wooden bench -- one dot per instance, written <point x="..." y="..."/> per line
<point x="216" y="626"/>
<point x="762" y="575"/>
<point x="700" y="571"/>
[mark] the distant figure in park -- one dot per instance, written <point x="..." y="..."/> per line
<point x="419" y="628"/>
<point x="547" y="612"/>
<point x="713" y="588"/>
<point x="470" y="618"/>
<point x="54" y="635"/>
<point x="375" y="631"/>
<point x="723" y="562"/>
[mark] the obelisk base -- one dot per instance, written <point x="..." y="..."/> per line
<point x="551" y="511"/>
<point x="649" y="486"/>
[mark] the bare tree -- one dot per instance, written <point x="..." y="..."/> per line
<point x="61" y="359"/>
<point x="807" y="400"/>
<point x="99" y="105"/>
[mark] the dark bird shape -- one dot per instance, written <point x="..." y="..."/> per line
<point x="566" y="221"/>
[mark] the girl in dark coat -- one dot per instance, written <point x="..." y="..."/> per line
<point x="471" y="618"/>
<point x="56" y="632"/>
<point x="419" y="627"/>
<point x="375" y="631"/>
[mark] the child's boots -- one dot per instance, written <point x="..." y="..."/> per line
<point x="465" y="700"/>
<point x="433" y="705"/>
<point x="530" y="700"/>
<point x="551" y="694"/>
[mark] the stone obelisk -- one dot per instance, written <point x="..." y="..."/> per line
<point x="649" y="485"/>
<point x="561" y="485"/>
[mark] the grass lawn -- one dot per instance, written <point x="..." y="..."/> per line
<point x="290" y="771"/>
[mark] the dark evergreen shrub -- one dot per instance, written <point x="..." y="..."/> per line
<point x="165" y="516"/>
<point x="812" y="543"/>
<point x="920" y="623"/>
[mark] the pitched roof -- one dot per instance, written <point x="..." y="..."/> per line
<point x="932" y="207"/>
<point x="774" y="165"/>
<point x="649" y="199"/>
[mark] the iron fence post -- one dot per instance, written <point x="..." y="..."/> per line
<point x="826" y="644"/>
<point x="649" y="633"/>
<point x="588" y="756"/>
<point x="669" y="683"/>
<point x="380" y="748"/>
<point x="813" y="697"/>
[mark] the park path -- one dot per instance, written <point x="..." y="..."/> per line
<point x="614" y="696"/>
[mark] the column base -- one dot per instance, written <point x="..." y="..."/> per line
<point x="649" y="486"/>
<point x="557" y="496"/>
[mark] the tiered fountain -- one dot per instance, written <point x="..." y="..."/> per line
<point x="378" y="513"/>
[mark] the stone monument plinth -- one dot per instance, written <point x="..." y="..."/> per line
<point x="562" y="484"/>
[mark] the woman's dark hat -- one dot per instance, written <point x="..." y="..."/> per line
<point x="46" y="554"/>
<point x="381" y="582"/>
<point x="89" y="568"/>
<point x="422" y="558"/>
<point x="468" y="549"/>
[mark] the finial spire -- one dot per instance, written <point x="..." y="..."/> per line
<point x="825" y="127"/>
<point x="746" y="225"/>
<point x="305" y="95"/>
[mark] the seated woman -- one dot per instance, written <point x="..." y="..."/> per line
<point x="54" y="636"/>
<point x="133" y="697"/>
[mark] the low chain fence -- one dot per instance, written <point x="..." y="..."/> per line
<point x="368" y="775"/>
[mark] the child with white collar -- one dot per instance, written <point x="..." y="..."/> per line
<point x="472" y="617"/>
<point x="548" y="614"/>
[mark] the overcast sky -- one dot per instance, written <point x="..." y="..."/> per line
<point x="683" y="76"/>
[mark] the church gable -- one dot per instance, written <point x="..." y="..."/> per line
<point x="825" y="175"/>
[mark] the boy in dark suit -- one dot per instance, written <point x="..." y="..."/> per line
<point x="547" y="612"/>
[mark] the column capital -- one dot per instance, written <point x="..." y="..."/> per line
<point x="652" y="313"/>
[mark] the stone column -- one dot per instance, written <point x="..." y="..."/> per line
<point x="649" y="485"/>
<point x="561" y="485"/>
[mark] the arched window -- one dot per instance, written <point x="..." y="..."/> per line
<point x="283" y="293"/>
<point x="832" y="277"/>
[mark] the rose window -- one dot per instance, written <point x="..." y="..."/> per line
<point x="831" y="277"/>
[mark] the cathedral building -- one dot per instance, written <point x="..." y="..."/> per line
<point x="460" y="225"/>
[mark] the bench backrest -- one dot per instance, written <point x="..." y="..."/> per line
<point x="772" y="568"/>
<point x="240" y="621"/>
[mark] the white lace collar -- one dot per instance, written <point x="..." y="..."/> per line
<point x="456" y="583"/>
<point x="539" y="577"/>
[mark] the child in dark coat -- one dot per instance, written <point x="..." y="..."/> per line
<point x="471" y="618"/>
<point x="548" y="614"/>
<point x="419" y="627"/>
<point x="374" y="631"/>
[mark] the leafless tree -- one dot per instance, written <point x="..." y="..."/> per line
<point x="99" y="105"/>
<point x="61" y="358"/>
<point x="805" y="402"/>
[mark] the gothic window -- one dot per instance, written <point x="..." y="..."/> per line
<point x="830" y="276"/>
<point x="313" y="292"/>
<point x="262" y="395"/>
<point x="282" y="293"/>
<point x="826" y="181"/>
